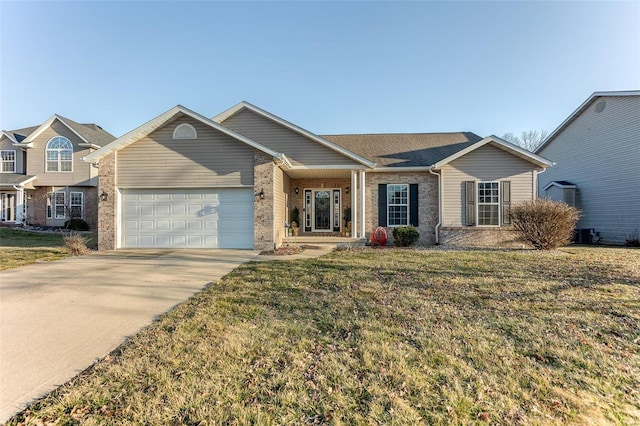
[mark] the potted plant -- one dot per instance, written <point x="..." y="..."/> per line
<point x="347" y="221"/>
<point x="295" y="220"/>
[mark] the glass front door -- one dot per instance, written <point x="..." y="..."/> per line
<point x="7" y="207"/>
<point x="322" y="211"/>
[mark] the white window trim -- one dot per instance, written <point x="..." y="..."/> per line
<point x="3" y="161"/>
<point x="46" y="159"/>
<point x="71" y="205"/>
<point x="499" y="204"/>
<point x="389" y="204"/>
<point x="185" y="125"/>
<point x="51" y="205"/>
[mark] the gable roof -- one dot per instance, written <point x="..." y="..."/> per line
<point x="220" y="118"/>
<point x="499" y="143"/>
<point x="91" y="135"/>
<point x="579" y="111"/>
<point x="15" y="179"/>
<point x="405" y="149"/>
<point x="154" y="124"/>
<point x="561" y="184"/>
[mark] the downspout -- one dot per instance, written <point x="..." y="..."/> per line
<point x="437" y="228"/>
<point x="536" y="173"/>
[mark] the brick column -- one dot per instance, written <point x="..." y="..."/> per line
<point x="263" y="214"/>
<point x="107" y="213"/>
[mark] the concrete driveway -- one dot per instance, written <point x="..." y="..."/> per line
<point x="57" y="318"/>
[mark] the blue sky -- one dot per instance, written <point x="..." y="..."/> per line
<point x="330" y="67"/>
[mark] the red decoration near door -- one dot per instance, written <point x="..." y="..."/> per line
<point x="379" y="236"/>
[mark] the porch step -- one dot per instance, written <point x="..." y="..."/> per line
<point x="304" y="239"/>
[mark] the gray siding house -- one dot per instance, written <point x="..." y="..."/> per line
<point x="597" y="155"/>
<point x="183" y="180"/>
<point x="43" y="180"/>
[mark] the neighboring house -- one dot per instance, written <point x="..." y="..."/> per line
<point x="597" y="155"/>
<point x="184" y="180"/>
<point x="43" y="180"/>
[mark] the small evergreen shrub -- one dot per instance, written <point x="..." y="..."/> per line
<point x="76" y="225"/>
<point x="633" y="240"/>
<point x="543" y="223"/>
<point x="405" y="236"/>
<point x="76" y="244"/>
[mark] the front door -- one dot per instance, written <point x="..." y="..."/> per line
<point x="322" y="210"/>
<point x="7" y="207"/>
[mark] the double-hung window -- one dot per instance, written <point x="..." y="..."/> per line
<point x="8" y="161"/>
<point x="59" y="155"/>
<point x="56" y="205"/>
<point x="488" y="204"/>
<point x="397" y="204"/>
<point x="75" y="205"/>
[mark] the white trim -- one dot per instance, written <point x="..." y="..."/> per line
<point x="328" y="167"/>
<point x="408" y="204"/>
<point x="354" y="205"/>
<point x="400" y="169"/>
<point x="363" y="210"/>
<point x="579" y="111"/>
<point x="157" y="122"/>
<point x="58" y="150"/>
<point x="440" y="206"/>
<point x="71" y="205"/>
<point x="554" y="183"/>
<point x="501" y="143"/>
<point x="48" y="124"/>
<point x="15" y="161"/>
<point x="9" y="136"/>
<point x="89" y="145"/>
<point x="322" y="141"/>
<point x="185" y="125"/>
<point x="499" y="203"/>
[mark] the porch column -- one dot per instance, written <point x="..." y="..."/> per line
<point x="362" y="205"/>
<point x="354" y="204"/>
<point x="19" y="204"/>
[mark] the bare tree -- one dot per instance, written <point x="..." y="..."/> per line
<point x="529" y="140"/>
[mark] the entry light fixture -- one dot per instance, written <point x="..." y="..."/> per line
<point x="346" y="190"/>
<point x="297" y="190"/>
<point x="261" y="194"/>
<point x="104" y="196"/>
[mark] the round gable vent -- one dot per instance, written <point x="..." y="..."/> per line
<point x="600" y="106"/>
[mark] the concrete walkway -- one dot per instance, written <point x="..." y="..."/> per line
<point x="57" y="318"/>
<point x="309" y="252"/>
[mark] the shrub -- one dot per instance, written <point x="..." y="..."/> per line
<point x="633" y="240"/>
<point x="76" y="225"/>
<point x="76" y="244"/>
<point x="543" y="223"/>
<point x="405" y="236"/>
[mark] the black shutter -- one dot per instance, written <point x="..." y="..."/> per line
<point x="505" y="191"/>
<point x="413" y="204"/>
<point x="382" y="204"/>
<point x="470" y="203"/>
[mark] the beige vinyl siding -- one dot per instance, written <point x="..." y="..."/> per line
<point x="7" y="145"/>
<point x="82" y="174"/>
<point x="159" y="161"/>
<point x="298" y="149"/>
<point x="487" y="163"/>
<point x="600" y="154"/>
<point x="282" y="183"/>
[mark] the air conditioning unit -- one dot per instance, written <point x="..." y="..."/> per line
<point x="584" y="236"/>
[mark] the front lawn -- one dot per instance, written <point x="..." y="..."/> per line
<point x="383" y="337"/>
<point x="19" y="248"/>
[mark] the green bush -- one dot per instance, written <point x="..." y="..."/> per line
<point x="76" y="225"/>
<point x="405" y="236"/>
<point x="543" y="223"/>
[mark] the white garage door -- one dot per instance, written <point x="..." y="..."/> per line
<point x="187" y="218"/>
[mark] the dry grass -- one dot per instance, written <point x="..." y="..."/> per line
<point x="76" y="244"/>
<point x="383" y="336"/>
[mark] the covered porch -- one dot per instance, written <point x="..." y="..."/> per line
<point x="328" y="204"/>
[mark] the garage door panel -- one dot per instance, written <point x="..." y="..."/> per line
<point x="189" y="218"/>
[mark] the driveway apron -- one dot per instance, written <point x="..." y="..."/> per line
<point x="57" y="318"/>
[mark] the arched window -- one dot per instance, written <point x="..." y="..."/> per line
<point x="185" y="131"/>
<point x="59" y="155"/>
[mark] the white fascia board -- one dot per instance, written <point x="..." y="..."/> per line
<point x="554" y="183"/>
<point x="89" y="145"/>
<point x="10" y="137"/>
<point x="322" y="141"/>
<point x="152" y="125"/>
<point x="48" y="124"/>
<point x="400" y="169"/>
<point x="329" y="167"/>
<point x="509" y="147"/>
<point x="579" y="111"/>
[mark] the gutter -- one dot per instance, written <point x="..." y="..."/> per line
<point x="437" y="228"/>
